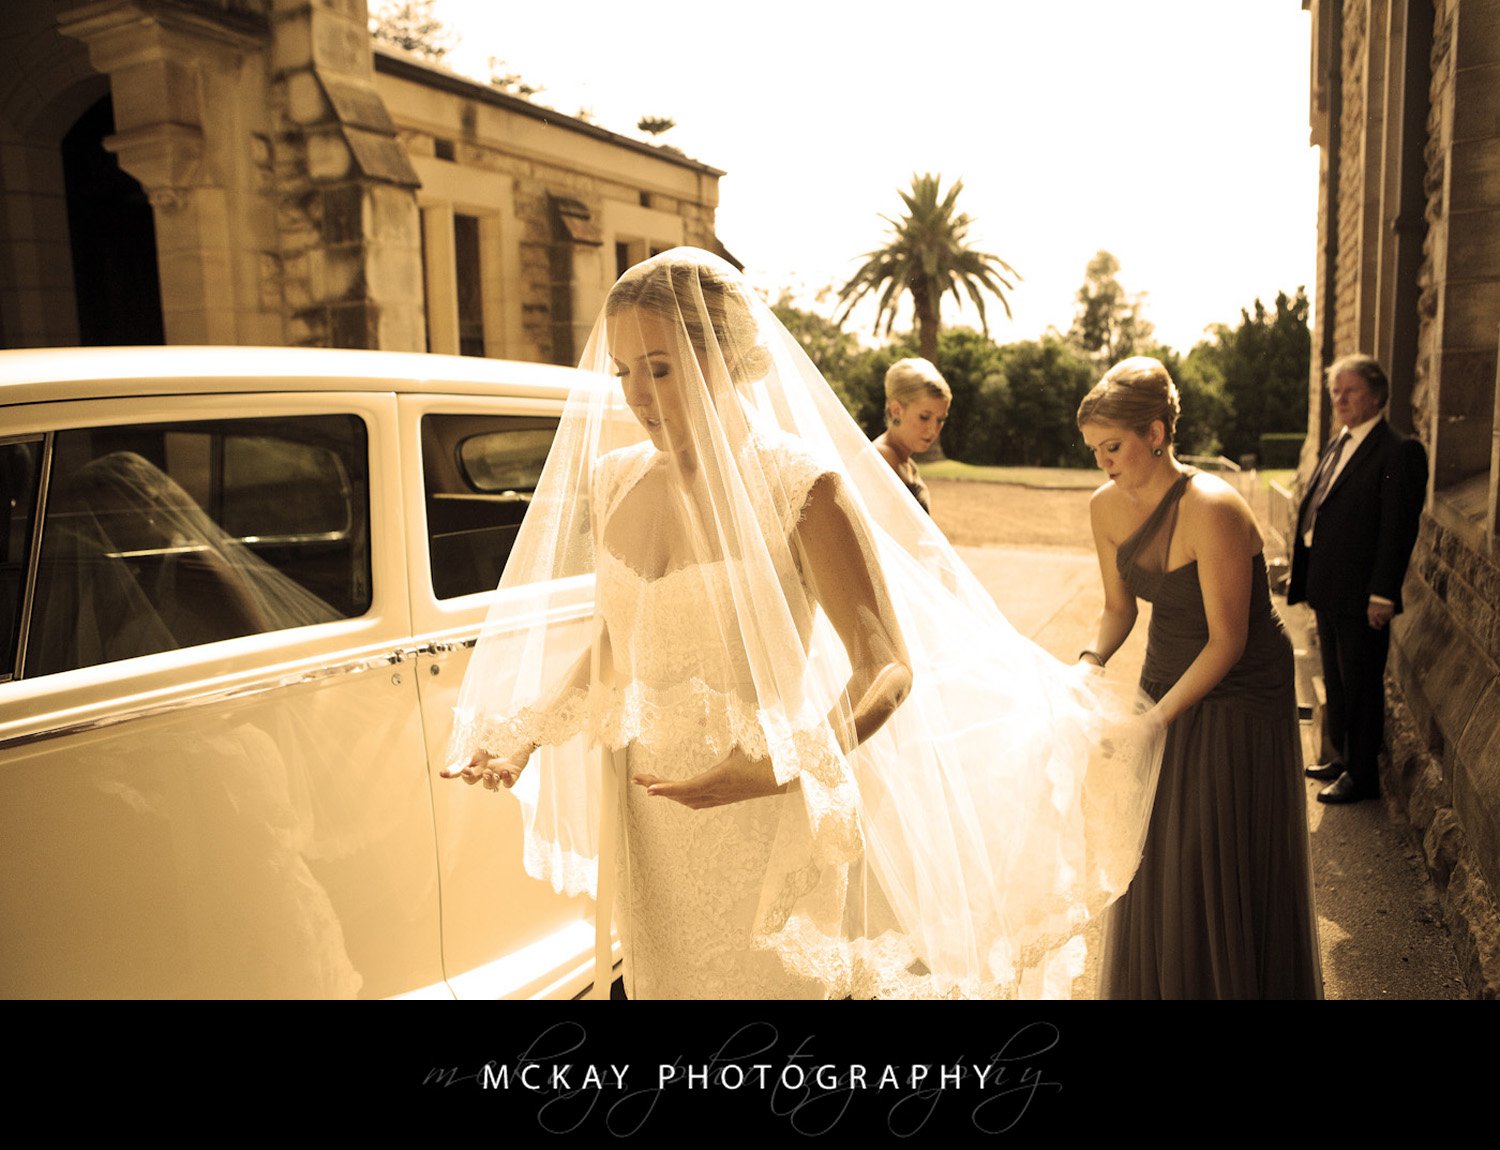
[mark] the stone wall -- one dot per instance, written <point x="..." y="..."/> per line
<point x="350" y="253"/>
<point x="1444" y="673"/>
<point x="1351" y="137"/>
<point x="280" y="156"/>
<point x="1444" y="736"/>
<point x="561" y="192"/>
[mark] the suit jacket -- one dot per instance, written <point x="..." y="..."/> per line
<point x="1366" y="527"/>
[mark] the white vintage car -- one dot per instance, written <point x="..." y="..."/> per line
<point x="238" y="588"/>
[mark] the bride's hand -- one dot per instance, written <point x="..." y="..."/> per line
<point x="491" y="771"/>
<point x="735" y="779"/>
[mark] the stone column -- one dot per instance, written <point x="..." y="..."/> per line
<point x="1461" y="276"/>
<point x="578" y="284"/>
<point x="346" y="190"/>
<point x="442" y="289"/>
<point x="36" y="270"/>
<point x="188" y="86"/>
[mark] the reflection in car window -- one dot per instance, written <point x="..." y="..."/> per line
<point x="19" y="463"/>
<point x="496" y="462"/>
<point x="259" y="470"/>
<point x="479" y="473"/>
<point x="167" y="536"/>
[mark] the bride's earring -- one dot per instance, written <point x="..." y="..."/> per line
<point x="1156" y="451"/>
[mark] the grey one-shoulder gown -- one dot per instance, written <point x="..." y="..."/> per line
<point x="1222" y="904"/>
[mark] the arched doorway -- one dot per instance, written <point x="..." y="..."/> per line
<point x="113" y="238"/>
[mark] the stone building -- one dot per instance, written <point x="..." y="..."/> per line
<point x="257" y="172"/>
<point x="1406" y="113"/>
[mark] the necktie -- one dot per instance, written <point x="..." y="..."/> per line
<point x="1320" y="488"/>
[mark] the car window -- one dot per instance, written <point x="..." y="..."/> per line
<point x="479" y="473"/>
<point x="20" y="463"/>
<point x="157" y="537"/>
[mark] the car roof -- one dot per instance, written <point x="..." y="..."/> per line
<point x="40" y="375"/>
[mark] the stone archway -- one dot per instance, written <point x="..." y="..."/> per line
<point x="113" y="238"/>
<point x="46" y="86"/>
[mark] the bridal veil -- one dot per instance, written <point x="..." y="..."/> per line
<point x="961" y="848"/>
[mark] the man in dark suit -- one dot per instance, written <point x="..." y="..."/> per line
<point x="1355" y="531"/>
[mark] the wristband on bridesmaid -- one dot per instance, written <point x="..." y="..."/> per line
<point x="1089" y="653"/>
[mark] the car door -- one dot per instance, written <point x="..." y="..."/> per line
<point x="504" y="934"/>
<point x="212" y="772"/>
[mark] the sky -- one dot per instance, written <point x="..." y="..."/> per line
<point x="1172" y="133"/>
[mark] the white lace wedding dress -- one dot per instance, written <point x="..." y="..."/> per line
<point x="690" y="881"/>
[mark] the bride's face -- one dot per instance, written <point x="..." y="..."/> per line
<point x="1121" y="453"/>
<point x="646" y="351"/>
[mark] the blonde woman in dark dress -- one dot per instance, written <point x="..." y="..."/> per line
<point x="1221" y="906"/>
<point x="917" y="398"/>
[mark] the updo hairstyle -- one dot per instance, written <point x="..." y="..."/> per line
<point x="685" y="285"/>
<point x="908" y="380"/>
<point x="1135" y="393"/>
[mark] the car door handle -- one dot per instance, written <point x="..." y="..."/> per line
<point x="435" y="647"/>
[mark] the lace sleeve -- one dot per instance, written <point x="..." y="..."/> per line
<point x="790" y="471"/>
<point x="614" y="475"/>
<point x="529" y="728"/>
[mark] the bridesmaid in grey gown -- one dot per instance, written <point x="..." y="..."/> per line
<point x="1221" y="906"/>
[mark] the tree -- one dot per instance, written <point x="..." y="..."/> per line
<point x="1108" y="324"/>
<point x="411" y="26"/>
<point x="1024" y="414"/>
<point x="1204" y="410"/>
<point x="1260" y="367"/>
<point x="511" y="83"/>
<point x="834" y="352"/>
<point x="928" y="255"/>
<point x="969" y="361"/>
<point x="655" y="125"/>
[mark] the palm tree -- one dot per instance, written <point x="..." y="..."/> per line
<point x="928" y="256"/>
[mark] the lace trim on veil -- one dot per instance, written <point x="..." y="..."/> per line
<point x="528" y="727"/>
<point x="888" y="967"/>
<point x="666" y="717"/>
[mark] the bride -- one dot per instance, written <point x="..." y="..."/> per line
<point x="837" y="769"/>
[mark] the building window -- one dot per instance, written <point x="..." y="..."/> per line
<point x="466" y="266"/>
<point x="629" y="252"/>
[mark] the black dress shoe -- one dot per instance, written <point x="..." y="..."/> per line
<point x="1324" y="772"/>
<point x="1345" y="790"/>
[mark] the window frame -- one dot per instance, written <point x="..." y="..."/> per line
<point x="431" y="616"/>
<point x="41" y="482"/>
<point x="452" y="189"/>
<point x="463" y="472"/>
<point x="106" y="692"/>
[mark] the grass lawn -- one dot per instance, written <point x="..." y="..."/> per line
<point x="1030" y="506"/>
<point x="1286" y="477"/>
<point x="1061" y="478"/>
<point x="1055" y="478"/>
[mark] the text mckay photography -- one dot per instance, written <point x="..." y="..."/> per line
<point x="761" y="1072"/>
